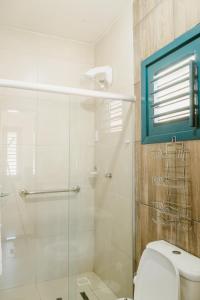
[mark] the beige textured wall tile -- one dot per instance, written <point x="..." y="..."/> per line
<point x="148" y="168"/>
<point x="194" y="239"/>
<point x="156" y="26"/>
<point x="188" y="238"/>
<point x="137" y="112"/>
<point x="141" y="8"/>
<point x="157" y="29"/>
<point x="137" y="53"/>
<point x="152" y="33"/>
<point x="141" y="173"/>
<point x="185" y="235"/>
<point x="148" y="230"/>
<point x="194" y="149"/>
<point x="186" y="15"/>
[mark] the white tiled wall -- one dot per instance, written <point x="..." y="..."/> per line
<point x="113" y="197"/>
<point x="54" y="149"/>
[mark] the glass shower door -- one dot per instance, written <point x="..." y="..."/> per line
<point x="100" y="243"/>
<point x="81" y="206"/>
<point x="34" y="157"/>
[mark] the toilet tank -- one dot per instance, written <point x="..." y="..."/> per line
<point x="187" y="264"/>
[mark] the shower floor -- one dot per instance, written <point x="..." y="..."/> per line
<point x="88" y="283"/>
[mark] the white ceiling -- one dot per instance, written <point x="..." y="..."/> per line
<point x="84" y="20"/>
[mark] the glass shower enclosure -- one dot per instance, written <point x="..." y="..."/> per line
<point x="66" y="197"/>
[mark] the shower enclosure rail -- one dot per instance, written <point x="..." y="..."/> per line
<point x="75" y="189"/>
<point x="63" y="90"/>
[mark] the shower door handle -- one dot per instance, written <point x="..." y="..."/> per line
<point x="24" y="193"/>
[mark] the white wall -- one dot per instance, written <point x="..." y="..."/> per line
<point x="54" y="149"/>
<point x="115" y="49"/>
<point x="113" y="197"/>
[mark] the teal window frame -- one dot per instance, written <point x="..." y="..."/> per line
<point x="180" y="130"/>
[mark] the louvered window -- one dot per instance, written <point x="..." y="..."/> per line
<point x="170" y="91"/>
<point x="12" y="154"/>
<point x="175" y="92"/>
<point x="115" y="113"/>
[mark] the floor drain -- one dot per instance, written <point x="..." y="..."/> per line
<point x="84" y="296"/>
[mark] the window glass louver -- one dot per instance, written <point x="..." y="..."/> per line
<point x="174" y="91"/>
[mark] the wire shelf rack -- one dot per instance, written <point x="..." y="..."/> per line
<point x="175" y="209"/>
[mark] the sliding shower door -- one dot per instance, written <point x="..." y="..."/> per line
<point x="34" y="197"/>
<point x="81" y="205"/>
<point x="100" y="232"/>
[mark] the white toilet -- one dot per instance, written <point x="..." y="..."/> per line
<point x="167" y="272"/>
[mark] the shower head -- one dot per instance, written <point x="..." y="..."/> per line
<point x="101" y="75"/>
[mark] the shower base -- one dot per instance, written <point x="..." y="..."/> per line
<point x="88" y="284"/>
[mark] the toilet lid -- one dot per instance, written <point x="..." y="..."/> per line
<point x="157" y="278"/>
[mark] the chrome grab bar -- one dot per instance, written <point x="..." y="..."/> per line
<point x="24" y="193"/>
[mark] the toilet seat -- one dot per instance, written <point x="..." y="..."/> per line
<point x="157" y="278"/>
